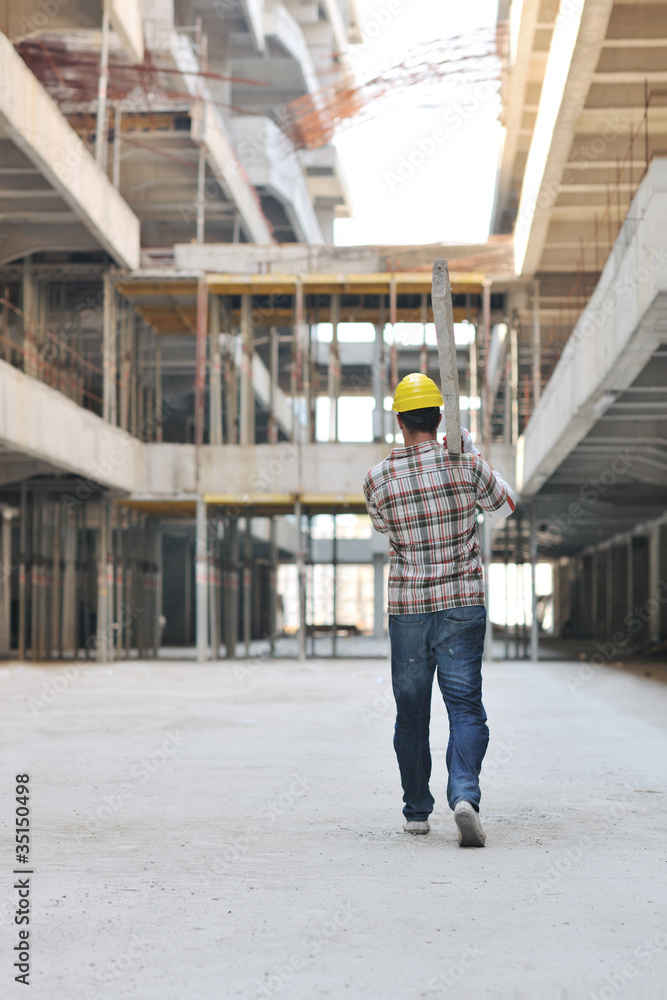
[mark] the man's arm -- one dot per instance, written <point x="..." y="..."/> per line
<point x="495" y="496"/>
<point x="371" y="507"/>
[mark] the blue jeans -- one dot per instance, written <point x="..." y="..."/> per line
<point x="451" y="640"/>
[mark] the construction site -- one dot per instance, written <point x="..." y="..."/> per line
<point x="195" y="379"/>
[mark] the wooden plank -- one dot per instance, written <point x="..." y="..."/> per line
<point x="443" y="316"/>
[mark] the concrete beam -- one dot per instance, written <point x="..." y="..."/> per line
<point x="38" y="422"/>
<point x="523" y="21"/>
<point x="126" y="20"/>
<point x="254" y="11"/>
<point x="269" y="160"/>
<point x="328" y="471"/>
<point x="281" y="26"/>
<point x="33" y="121"/>
<point x="575" y="49"/>
<point x="612" y="342"/>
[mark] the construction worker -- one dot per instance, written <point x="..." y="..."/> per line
<point x="426" y="501"/>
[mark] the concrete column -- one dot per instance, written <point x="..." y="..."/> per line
<point x="247" y="585"/>
<point x="158" y="389"/>
<point x="107" y="325"/>
<point x="601" y="593"/>
<point x="273" y="580"/>
<point x="56" y="636"/>
<point x="514" y="382"/>
<point x="5" y="581"/>
<point x="486" y="556"/>
<point x="536" y="345"/>
<point x="215" y="380"/>
<point x="214" y="592"/>
<point x="486" y="388"/>
<point x="102" y="632"/>
<point x="200" y="362"/>
<point x="247" y="402"/>
<point x="378" y="595"/>
<point x="230" y="377"/>
<point x="474" y="423"/>
<point x="103" y="81"/>
<point x="5" y="330"/>
<point x="595" y="569"/>
<point x="642" y="604"/>
<point x="654" y="581"/>
<point x="661" y="591"/>
<point x="231" y="588"/>
<point x="159" y="579"/>
<point x="334" y="369"/>
<point x="201" y="189"/>
<point x="379" y="379"/>
<point x="534" y="624"/>
<point x="301" y="579"/>
<point x="28" y="304"/>
<point x="609" y="591"/>
<point x="201" y="581"/>
<point x="273" y="385"/>
<point x="22" y="570"/>
<point x="36" y="525"/>
<point x="393" y="364"/>
<point x="619" y="587"/>
<point x="117" y="125"/>
<point x="334" y="590"/>
<point x="111" y="583"/>
<point x="126" y="347"/>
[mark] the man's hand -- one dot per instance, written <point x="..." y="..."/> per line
<point x="467" y="447"/>
<point x="466" y="443"/>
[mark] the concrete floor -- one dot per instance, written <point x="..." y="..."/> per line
<point x="223" y="831"/>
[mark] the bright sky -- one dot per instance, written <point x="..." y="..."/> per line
<point x="405" y="187"/>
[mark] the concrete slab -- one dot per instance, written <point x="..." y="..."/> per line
<point x="232" y="830"/>
<point x="38" y="422"/>
<point x="34" y="123"/>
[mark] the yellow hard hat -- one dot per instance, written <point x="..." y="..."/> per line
<point x="415" y="392"/>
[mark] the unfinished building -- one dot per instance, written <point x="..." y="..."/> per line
<point x="172" y="317"/>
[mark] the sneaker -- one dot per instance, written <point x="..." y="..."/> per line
<point x="416" y="826"/>
<point x="469" y="825"/>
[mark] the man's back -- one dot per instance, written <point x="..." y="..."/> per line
<point x="427" y="504"/>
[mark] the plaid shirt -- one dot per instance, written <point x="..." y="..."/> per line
<point x="427" y="504"/>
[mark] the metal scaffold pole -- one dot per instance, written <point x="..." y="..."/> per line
<point x="231" y="593"/>
<point x="301" y="579"/>
<point x="103" y="82"/>
<point x="102" y="585"/>
<point x="5" y="580"/>
<point x="56" y="637"/>
<point x="486" y="388"/>
<point x="247" y="584"/>
<point x="534" y="624"/>
<point x="272" y="431"/>
<point x="215" y="378"/>
<point x="536" y="345"/>
<point x="201" y="581"/>
<point x="334" y="591"/>
<point x="247" y="401"/>
<point x="334" y="369"/>
<point x="214" y="592"/>
<point x="273" y="581"/>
